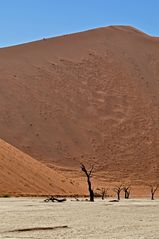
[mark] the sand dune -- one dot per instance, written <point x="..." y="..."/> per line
<point x="90" y="97"/>
<point x="22" y="175"/>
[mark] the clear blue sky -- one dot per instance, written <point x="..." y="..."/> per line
<point x="29" y="20"/>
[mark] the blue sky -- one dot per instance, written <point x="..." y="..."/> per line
<point x="29" y="20"/>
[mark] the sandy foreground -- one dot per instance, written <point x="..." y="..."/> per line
<point x="101" y="219"/>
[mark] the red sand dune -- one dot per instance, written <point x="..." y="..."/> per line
<point x="90" y="97"/>
<point x="23" y="175"/>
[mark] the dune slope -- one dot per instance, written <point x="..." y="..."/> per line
<point x="22" y="175"/>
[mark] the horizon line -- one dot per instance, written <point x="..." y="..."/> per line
<point x="75" y="32"/>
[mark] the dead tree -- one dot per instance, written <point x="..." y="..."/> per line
<point x="88" y="174"/>
<point x="118" y="190"/>
<point x="153" y="190"/>
<point x="103" y="192"/>
<point x="127" y="190"/>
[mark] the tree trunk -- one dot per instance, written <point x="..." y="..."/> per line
<point x="127" y="195"/>
<point x="91" y="196"/>
<point x="88" y="175"/>
<point x="152" y="196"/>
<point x="118" y="194"/>
<point x="91" y="193"/>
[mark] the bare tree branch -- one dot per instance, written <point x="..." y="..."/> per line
<point x="103" y="192"/>
<point x="91" y="170"/>
<point x="127" y="190"/>
<point x="118" y="189"/>
<point x="88" y="174"/>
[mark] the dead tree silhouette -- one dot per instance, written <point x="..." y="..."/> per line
<point x="88" y="174"/>
<point x="103" y="192"/>
<point x="127" y="190"/>
<point x="118" y="189"/>
<point x="153" y="191"/>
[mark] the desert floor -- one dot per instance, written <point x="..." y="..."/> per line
<point x="102" y="219"/>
